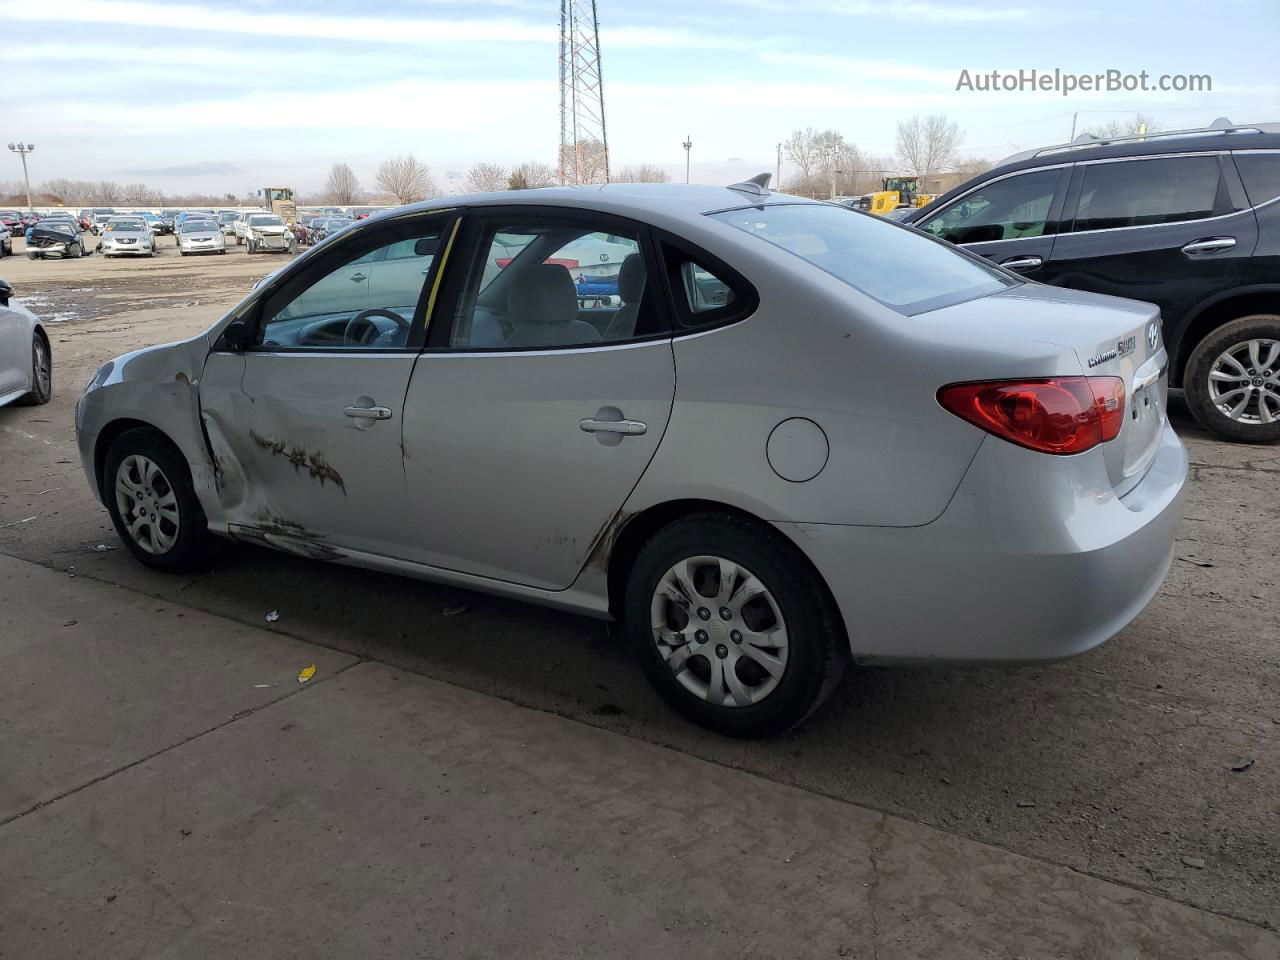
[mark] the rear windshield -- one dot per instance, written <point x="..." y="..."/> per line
<point x="901" y="268"/>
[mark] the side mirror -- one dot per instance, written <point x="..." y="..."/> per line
<point x="238" y="336"/>
<point x="6" y="291"/>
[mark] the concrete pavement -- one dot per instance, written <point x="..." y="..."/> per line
<point x="170" y="790"/>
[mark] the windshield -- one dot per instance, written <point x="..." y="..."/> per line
<point x="265" y="222"/>
<point x="228" y="217"/>
<point x="199" y="226"/>
<point x="897" y="266"/>
<point x="126" y="226"/>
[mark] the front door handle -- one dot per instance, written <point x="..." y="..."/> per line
<point x="628" y="428"/>
<point x="1208" y="245"/>
<point x="357" y="277"/>
<point x="1022" y="263"/>
<point x="368" y="413"/>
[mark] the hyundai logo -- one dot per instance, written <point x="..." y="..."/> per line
<point x="1153" y="334"/>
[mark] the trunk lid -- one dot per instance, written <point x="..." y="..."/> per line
<point x="1110" y="337"/>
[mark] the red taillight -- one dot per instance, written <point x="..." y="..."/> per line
<point x="1059" y="415"/>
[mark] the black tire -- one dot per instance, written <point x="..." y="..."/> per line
<point x="42" y="386"/>
<point x="817" y="649"/>
<point x="193" y="545"/>
<point x="1195" y="380"/>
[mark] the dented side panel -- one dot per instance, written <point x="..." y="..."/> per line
<point x="293" y="470"/>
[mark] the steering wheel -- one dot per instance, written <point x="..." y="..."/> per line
<point x="349" y="334"/>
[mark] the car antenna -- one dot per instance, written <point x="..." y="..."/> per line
<point x="757" y="186"/>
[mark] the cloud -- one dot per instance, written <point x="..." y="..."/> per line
<point x="206" y="168"/>
<point x="863" y="69"/>
<point x="415" y="31"/>
<point x="918" y="12"/>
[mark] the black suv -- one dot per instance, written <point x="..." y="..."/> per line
<point x="1189" y="221"/>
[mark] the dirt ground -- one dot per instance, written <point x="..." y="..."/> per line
<point x="1153" y="762"/>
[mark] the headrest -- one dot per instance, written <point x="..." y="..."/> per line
<point x="631" y="278"/>
<point x="540" y="294"/>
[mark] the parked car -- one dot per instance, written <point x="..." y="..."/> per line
<point x="227" y="219"/>
<point x="1186" y="220"/>
<point x="167" y="215"/>
<point x="30" y="218"/>
<point x="329" y="226"/>
<point x="361" y="213"/>
<point x="242" y="224"/>
<point x="266" y="231"/>
<point x="6" y="242"/>
<point x="55" y="235"/>
<point x="153" y="222"/>
<point x="201" y="236"/>
<point x="13" y="220"/>
<point x="127" y="237"/>
<point x="805" y="438"/>
<point x="100" y="220"/>
<point x="26" y="360"/>
<point x="86" y="218"/>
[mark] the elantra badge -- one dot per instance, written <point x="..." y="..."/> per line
<point x="1122" y="347"/>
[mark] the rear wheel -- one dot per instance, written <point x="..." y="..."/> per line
<point x="1232" y="380"/>
<point x="732" y="627"/>
<point x="147" y="486"/>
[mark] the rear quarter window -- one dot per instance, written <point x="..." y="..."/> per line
<point x="1261" y="175"/>
<point x="895" y="265"/>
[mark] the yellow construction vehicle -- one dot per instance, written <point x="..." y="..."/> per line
<point x="279" y="200"/>
<point x="896" y="192"/>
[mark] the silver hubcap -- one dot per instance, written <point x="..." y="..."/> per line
<point x="1244" y="382"/>
<point x="720" y="631"/>
<point x="43" y="368"/>
<point x="147" y="504"/>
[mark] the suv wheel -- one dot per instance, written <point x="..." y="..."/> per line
<point x="1233" y="380"/>
<point x="731" y="626"/>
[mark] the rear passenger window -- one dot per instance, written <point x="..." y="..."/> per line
<point x="1138" y="193"/>
<point x="706" y="293"/>
<point x="1261" y="175"/>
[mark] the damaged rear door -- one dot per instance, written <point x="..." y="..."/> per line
<point x="305" y="422"/>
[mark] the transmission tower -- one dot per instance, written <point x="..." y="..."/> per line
<point x="584" y="146"/>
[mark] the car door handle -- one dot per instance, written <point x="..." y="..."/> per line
<point x="368" y="413"/>
<point x="1209" y="245"/>
<point x="357" y="277"/>
<point x="1022" y="263"/>
<point x="628" y="428"/>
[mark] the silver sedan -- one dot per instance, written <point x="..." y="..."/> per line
<point x="201" y="236"/>
<point x="775" y="438"/>
<point x="127" y="237"/>
<point x="26" y="362"/>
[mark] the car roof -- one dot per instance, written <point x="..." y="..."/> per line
<point x="625" y="199"/>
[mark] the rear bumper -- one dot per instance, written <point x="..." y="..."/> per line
<point x="1035" y="559"/>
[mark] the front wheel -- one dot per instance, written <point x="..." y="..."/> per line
<point x="147" y="486"/>
<point x="1232" y="380"/>
<point x="41" y="373"/>
<point x="732" y="626"/>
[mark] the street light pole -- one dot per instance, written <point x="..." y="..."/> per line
<point x="22" y="149"/>
<point x="688" y="145"/>
<point x="834" y="174"/>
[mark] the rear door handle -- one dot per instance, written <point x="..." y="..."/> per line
<point x="628" y="428"/>
<point x="1022" y="263"/>
<point x="368" y="413"/>
<point x="1208" y="245"/>
<point x="357" y="277"/>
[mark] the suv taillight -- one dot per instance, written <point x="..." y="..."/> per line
<point x="1059" y="415"/>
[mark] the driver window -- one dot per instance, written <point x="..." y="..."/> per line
<point x="1008" y="209"/>
<point x="368" y="302"/>
<point x="548" y="284"/>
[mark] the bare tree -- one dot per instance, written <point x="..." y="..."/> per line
<point x="406" y="178"/>
<point x="487" y="178"/>
<point x="1136" y="126"/>
<point x="926" y="146"/>
<point x="644" y="173"/>
<point x="531" y="174"/>
<point x="106" y="191"/>
<point x="824" y="160"/>
<point x="342" y="186"/>
<point x="584" y="163"/>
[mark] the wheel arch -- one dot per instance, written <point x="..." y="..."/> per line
<point x="1214" y="313"/>
<point x="626" y="538"/>
<point x="110" y="433"/>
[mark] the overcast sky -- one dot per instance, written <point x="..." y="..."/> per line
<point x="238" y="94"/>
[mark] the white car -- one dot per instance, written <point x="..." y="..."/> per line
<point x="201" y="236"/>
<point x="240" y="226"/>
<point x="266" y="231"/>
<point x="127" y="237"/>
<point x="26" y="363"/>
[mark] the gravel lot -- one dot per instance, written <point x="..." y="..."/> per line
<point x="1153" y="762"/>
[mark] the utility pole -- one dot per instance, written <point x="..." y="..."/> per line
<point x="22" y="149"/>
<point x="688" y="145"/>
<point x="1074" y="117"/>
<point x="777" y="174"/>
<point x="834" y="174"/>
